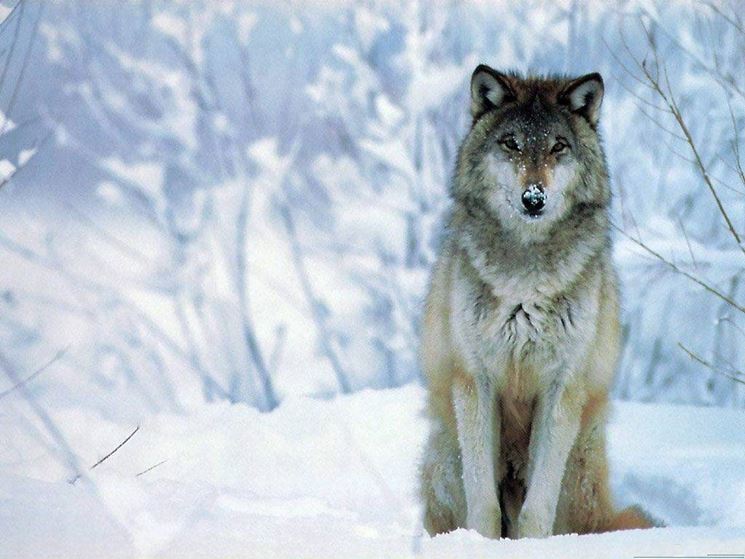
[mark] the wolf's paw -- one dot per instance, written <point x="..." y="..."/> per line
<point x="531" y="524"/>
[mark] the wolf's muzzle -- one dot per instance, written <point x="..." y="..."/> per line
<point x="534" y="198"/>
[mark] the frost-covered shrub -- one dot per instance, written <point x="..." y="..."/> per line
<point x="255" y="193"/>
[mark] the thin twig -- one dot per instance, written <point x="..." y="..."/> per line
<point x="151" y="468"/>
<point x="16" y="31"/>
<point x="736" y="144"/>
<point x="107" y="236"/>
<point x="247" y="324"/>
<point x="120" y="445"/>
<point x="24" y="63"/>
<point x="679" y="270"/>
<point x="737" y="25"/>
<point x="315" y="304"/>
<point x="737" y="376"/>
<point x="688" y="243"/>
<point x="670" y="101"/>
<point x="62" y="446"/>
<point x="36" y="373"/>
<point x="715" y="72"/>
<point x="732" y="323"/>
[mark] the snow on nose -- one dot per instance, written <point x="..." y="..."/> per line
<point x="534" y="198"/>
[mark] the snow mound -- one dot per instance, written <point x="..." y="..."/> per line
<point x="337" y="478"/>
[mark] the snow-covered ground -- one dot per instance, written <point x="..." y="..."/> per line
<point x="336" y="478"/>
<point x="237" y="201"/>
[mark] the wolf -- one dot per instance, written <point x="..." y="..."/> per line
<point x="520" y="334"/>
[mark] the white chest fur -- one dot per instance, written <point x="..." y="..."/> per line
<point x="539" y="335"/>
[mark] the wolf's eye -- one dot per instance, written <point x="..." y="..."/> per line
<point x="560" y="146"/>
<point x="509" y="142"/>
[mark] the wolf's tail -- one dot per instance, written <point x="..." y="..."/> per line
<point x="632" y="518"/>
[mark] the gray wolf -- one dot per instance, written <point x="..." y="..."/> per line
<point x="520" y="335"/>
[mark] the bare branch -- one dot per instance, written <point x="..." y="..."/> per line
<point x="732" y="323"/>
<point x="279" y="344"/>
<point x="313" y="301"/>
<point x="16" y="30"/>
<point x="688" y="243"/>
<point x="151" y="468"/>
<point x="120" y="445"/>
<point x="249" y="333"/>
<point x="667" y="96"/>
<point x="35" y="374"/>
<point x="736" y="145"/>
<point x="679" y="270"/>
<point x="737" y="376"/>
<point x="63" y="447"/>
<point x="736" y="24"/>
<point x="725" y="81"/>
<point x="108" y="237"/>
<point x="24" y="63"/>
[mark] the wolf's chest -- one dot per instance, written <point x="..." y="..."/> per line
<point x="519" y="331"/>
<point x="523" y="327"/>
<point x="519" y="328"/>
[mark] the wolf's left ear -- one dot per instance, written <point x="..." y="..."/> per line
<point x="489" y="89"/>
<point x="584" y="96"/>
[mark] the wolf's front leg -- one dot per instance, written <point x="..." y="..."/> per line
<point x="478" y="428"/>
<point x="556" y="424"/>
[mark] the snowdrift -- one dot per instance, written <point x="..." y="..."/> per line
<point x="336" y="478"/>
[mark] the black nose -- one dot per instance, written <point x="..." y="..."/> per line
<point x="534" y="198"/>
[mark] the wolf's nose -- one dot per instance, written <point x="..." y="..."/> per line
<point x="534" y="198"/>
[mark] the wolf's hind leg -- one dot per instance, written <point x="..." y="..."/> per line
<point x="586" y="505"/>
<point x="441" y="484"/>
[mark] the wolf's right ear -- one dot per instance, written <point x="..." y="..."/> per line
<point x="489" y="89"/>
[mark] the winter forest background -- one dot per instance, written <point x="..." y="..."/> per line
<point x="208" y="201"/>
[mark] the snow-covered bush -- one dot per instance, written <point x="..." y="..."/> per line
<point x="242" y="201"/>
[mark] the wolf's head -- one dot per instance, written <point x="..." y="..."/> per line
<point x="533" y="154"/>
